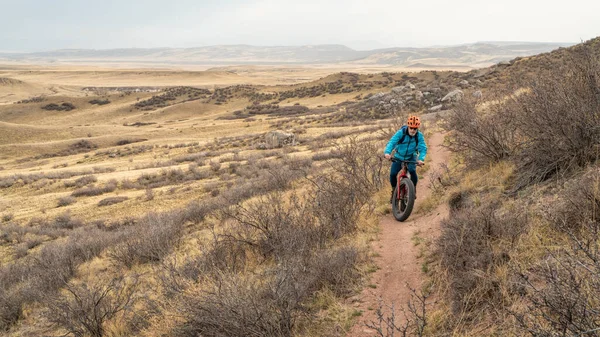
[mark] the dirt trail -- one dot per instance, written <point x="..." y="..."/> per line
<point x="397" y="261"/>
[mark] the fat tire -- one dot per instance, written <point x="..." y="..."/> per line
<point x="396" y="211"/>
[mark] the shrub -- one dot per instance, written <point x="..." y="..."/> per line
<point x="560" y="289"/>
<point x="111" y="201"/>
<point x="80" y="182"/>
<point x="234" y="306"/>
<point x="36" y="276"/>
<point x="64" y="221"/>
<point x="559" y="119"/>
<point x="63" y="107"/>
<point x="489" y="132"/>
<point x="469" y="246"/>
<point x="99" y="101"/>
<point x="7" y="217"/>
<point x="84" y="309"/>
<point x="130" y="141"/>
<point x="149" y="240"/>
<point x="89" y="191"/>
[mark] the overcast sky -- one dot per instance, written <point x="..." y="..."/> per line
<point x="40" y="25"/>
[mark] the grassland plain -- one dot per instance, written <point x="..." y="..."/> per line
<point x="161" y="202"/>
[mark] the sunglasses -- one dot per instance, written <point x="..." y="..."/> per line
<point x="413" y="128"/>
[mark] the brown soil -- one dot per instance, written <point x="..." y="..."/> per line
<point x="398" y="262"/>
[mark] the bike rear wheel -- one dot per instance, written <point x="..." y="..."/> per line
<point x="404" y="199"/>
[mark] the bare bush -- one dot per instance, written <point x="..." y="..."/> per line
<point x="234" y="306"/>
<point x="92" y="190"/>
<point x="66" y="201"/>
<point x="38" y="275"/>
<point x="560" y="117"/>
<point x="7" y="217"/>
<point x="65" y="221"/>
<point x="80" y="182"/>
<point x="484" y="132"/>
<point x="83" y="309"/>
<point x="111" y="201"/>
<point x="560" y="290"/>
<point x="339" y="198"/>
<point x="415" y="317"/>
<point x="149" y="240"/>
<point x="468" y="246"/>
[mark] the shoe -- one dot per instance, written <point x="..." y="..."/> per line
<point x="392" y="197"/>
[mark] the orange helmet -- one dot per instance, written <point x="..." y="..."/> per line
<point x="413" y="122"/>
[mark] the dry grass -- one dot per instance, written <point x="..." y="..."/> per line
<point x="184" y="182"/>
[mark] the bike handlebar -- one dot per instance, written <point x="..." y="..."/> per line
<point x="392" y="159"/>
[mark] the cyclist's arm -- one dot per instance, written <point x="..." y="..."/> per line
<point x="422" y="147"/>
<point x="392" y="143"/>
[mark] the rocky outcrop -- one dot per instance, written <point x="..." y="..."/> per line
<point x="278" y="138"/>
<point x="453" y="96"/>
<point x="436" y="108"/>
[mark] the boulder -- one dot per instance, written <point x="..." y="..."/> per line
<point x="453" y="96"/>
<point x="377" y="96"/>
<point x="410" y="86"/>
<point x="398" y="90"/>
<point x="418" y="95"/>
<point x="463" y="83"/>
<point x="435" y="108"/>
<point x="278" y="138"/>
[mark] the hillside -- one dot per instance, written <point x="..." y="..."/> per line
<point x="468" y="55"/>
<point x="179" y="209"/>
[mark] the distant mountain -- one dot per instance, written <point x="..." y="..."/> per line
<point x="476" y="54"/>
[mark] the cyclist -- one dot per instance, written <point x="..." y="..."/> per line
<point x="407" y="143"/>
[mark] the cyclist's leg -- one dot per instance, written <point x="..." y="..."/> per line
<point x="396" y="167"/>
<point x="412" y="169"/>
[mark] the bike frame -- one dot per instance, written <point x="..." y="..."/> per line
<point x="404" y="194"/>
<point x="403" y="173"/>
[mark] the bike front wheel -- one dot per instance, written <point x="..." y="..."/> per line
<point x="404" y="199"/>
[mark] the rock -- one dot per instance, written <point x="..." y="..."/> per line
<point x="398" y="90"/>
<point x="387" y="106"/>
<point x="477" y="94"/>
<point x="381" y="102"/>
<point x="463" y="83"/>
<point x="504" y="63"/>
<point x="426" y="93"/>
<point x="409" y="86"/>
<point x="377" y="96"/>
<point x="453" y="96"/>
<point x="435" y="108"/>
<point x="418" y="95"/>
<point x="393" y="101"/>
<point x="275" y="139"/>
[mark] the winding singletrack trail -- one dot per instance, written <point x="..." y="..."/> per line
<point x="399" y="267"/>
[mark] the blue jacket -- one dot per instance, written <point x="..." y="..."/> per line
<point x="408" y="149"/>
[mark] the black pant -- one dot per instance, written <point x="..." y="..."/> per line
<point x="396" y="167"/>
